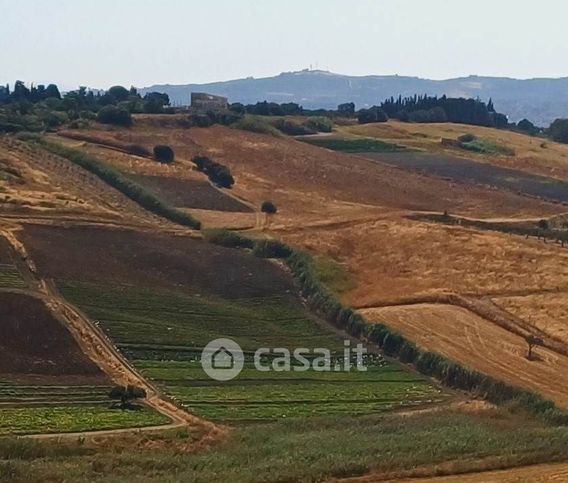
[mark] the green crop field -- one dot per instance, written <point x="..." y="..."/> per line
<point x="164" y="332"/>
<point x="163" y="321"/>
<point x="26" y="409"/>
<point x="257" y="395"/>
<point x="357" y="145"/>
<point x="58" y="419"/>
<point x="10" y="277"/>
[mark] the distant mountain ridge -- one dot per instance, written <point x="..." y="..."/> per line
<point x="540" y="100"/>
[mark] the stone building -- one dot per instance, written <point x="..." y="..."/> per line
<point x="202" y="102"/>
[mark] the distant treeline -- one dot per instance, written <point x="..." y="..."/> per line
<point x="40" y="107"/>
<point x="444" y="109"/>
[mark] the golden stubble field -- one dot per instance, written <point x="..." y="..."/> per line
<point x="532" y="154"/>
<point x="476" y="343"/>
<point x="547" y="311"/>
<point x="396" y="258"/>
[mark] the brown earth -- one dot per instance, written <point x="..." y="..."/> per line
<point x="35" y="344"/>
<point x="190" y="193"/>
<point x="478" y="344"/>
<point x="95" y="254"/>
<point x="532" y="154"/>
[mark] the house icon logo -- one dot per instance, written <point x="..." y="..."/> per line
<point x="222" y="359"/>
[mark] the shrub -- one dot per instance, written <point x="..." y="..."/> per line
<point x="268" y="207"/>
<point x="255" y="124"/>
<point x="292" y="128"/>
<point x="227" y="238"/>
<point x="558" y="130"/>
<point x="137" y="150"/>
<point x="374" y="114"/>
<point x="217" y="173"/>
<point x="114" y="115"/>
<point x="320" y="124"/>
<point x="271" y="249"/>
<point x="163" y="153"/>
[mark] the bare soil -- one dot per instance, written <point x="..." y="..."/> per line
<point x="94" y="254"/>
<point x="34" y="343"/>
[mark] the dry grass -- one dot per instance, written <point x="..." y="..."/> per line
<point x="478" y="344"/>
<point x="532" y="154"/>
<point x="395" y="258"/>
<point x="546" y="312"/>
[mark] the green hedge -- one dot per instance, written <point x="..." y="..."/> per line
<point x="114" y="178"/>
<point x="449" y="373"/>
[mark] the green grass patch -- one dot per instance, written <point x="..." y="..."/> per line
<point x="38" y="394"/>
<point x="333" y="275"/>
<point x="61" y="419"/>
<point x="358" y="145"/>
<point x="315" y="449"/>
<point x="256" y="124"/>
<point x="486" y="146"/>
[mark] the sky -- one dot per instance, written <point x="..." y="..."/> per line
<point x="99" y="43"/>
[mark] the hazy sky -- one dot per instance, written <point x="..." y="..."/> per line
<point x="99" y="43"/>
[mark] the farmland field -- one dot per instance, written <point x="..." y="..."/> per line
<point x="547" y="312"/>
<point x="60" y="419"/>
<point x="175" y="322"/>
<point x="479" y="344"/>
<point x="357" y="145"/>
<point x="467" y="171"/>
<point x="190" y="193"/>
<point x="164" y="328"/>
<point x="532" y="154"/>
<point x="34" y="343"/>
<point x="256" y="395"/>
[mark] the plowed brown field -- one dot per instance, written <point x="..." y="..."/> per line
<point x="35" y="344"/>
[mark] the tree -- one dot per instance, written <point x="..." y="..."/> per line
<point x="558" y="130"/>
<point x="543" y="224"/>
<point x="347" y="109"/>
<point x="127" y="394"/>
<point x="119" y="93"/>
<point x="526" y="126"/>
<point x="163" y="153"/>
<point x="532" y="340"/>
<point x="114" y="115"/>
<point x="268" y="207"/>
<point x="374" y="114"/>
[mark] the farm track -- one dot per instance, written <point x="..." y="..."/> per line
<point x="100" y="349"/>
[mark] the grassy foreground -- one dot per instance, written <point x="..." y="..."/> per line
<point x="298" y="450"/>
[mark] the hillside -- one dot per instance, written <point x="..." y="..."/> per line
<point x="540" y="100"/>
<point x="142" y="294"/>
